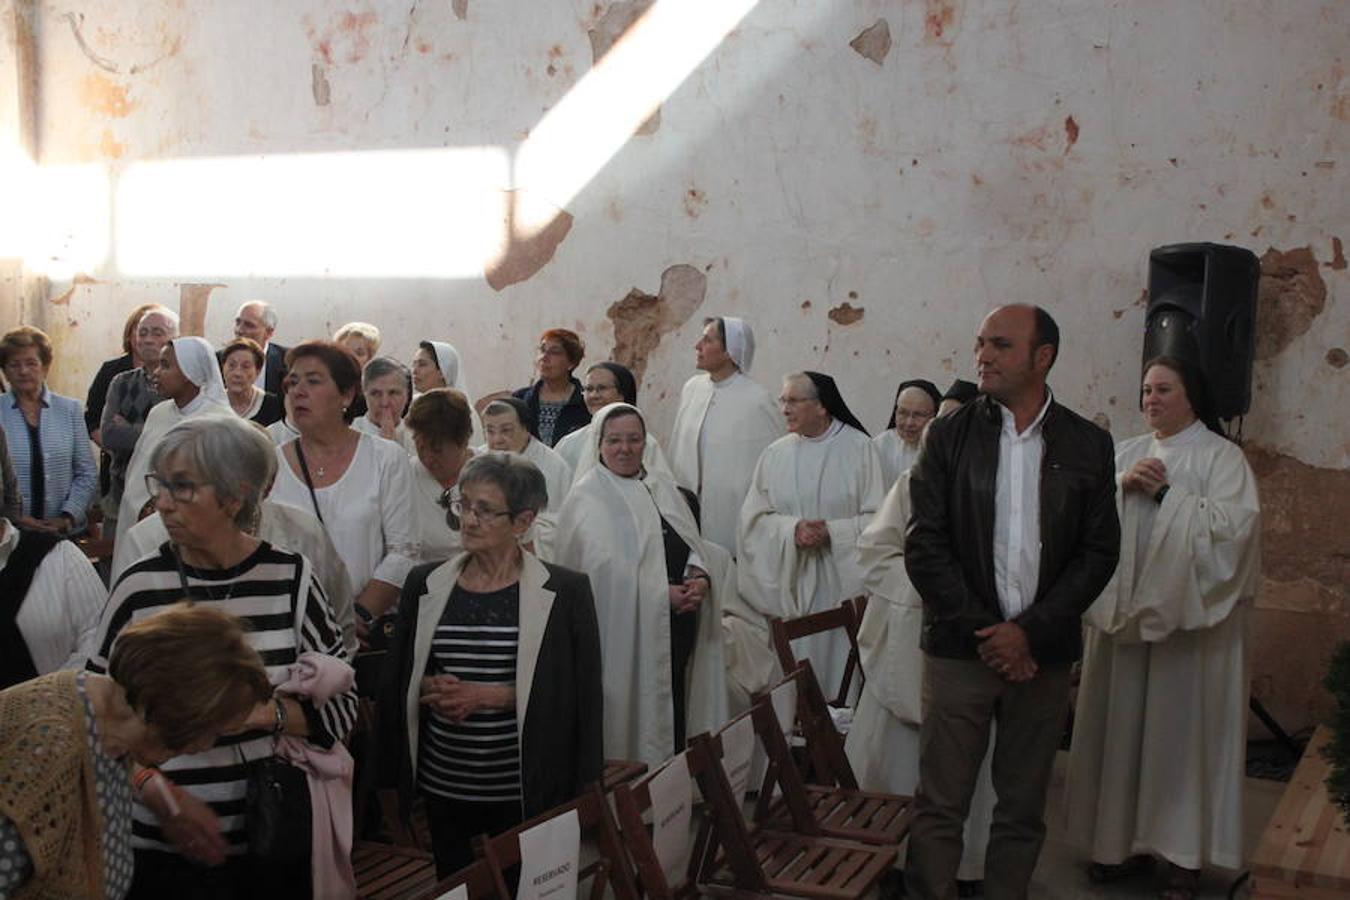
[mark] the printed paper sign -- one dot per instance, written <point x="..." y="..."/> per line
<point x="672" y="796"/>
<point x="458" y="893"/>
<point x="738" y="742"/>
<point x="548" y="859"/>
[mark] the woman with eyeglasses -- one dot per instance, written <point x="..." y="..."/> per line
<point x="555" y="401"/>
<point x="441" y="427"/>
<point x="606" y="383"/>
<point x="207" y="477"/>
<point x="916" y="403"/>
<point x="659" y="588"/>
<point x="494" y="710"/>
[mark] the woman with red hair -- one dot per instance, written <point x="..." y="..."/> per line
<point x="555" y="402"/>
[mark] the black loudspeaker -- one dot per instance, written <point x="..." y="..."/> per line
<point x="1202" y="309"/>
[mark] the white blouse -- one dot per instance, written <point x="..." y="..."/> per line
<point x="60" y="613"/>
<point x="367" y="513"/>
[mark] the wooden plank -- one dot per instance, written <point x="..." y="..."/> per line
<point x="1306" y="844"/>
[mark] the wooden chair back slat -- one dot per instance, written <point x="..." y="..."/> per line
<point x="632" y="802"/>
<point x="847" y="616"/>
<point x="609" y="870"/>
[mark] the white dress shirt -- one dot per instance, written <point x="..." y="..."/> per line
<point x="1017" y="513"/>
<point x="60" y="613"/>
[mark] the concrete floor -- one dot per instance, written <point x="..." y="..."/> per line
<point x="1062" y="871"/>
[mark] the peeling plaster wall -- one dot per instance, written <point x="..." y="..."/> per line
<point x="919" y="161"/>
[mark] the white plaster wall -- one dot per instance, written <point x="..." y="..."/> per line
<point x="932" y="186"/>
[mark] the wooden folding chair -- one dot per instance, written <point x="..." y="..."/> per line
<point x="621" y="771"/>
<point x="632" y="802"/>
<point x="739" y="857"/>
<point x="476" y="879"/>
<point x="846" y="616"/>
<point x="841" y="812"/>
<point x="387" y="872"/>
<point x="609" y="871"/>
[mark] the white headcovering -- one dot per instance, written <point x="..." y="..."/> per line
<point x="591" y="457"/>
<point x="740" y="342"/>
<point x="447" y="360"/>
<point x="200" y="366"/>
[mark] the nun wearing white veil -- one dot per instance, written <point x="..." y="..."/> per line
<point x="437" y="364"/>
<point x="726" y="420"/>
<point x="658" y="594"/>
<point x="189" y="379"/>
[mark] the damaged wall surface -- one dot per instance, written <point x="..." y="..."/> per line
<point x="861" y="181"/>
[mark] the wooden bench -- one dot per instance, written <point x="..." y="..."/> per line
<point x="1304" y="852"/>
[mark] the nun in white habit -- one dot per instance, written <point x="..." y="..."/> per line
<point x="189" y="377"/>
<point x="658" y="592"/>
<point x="1158" y="758"/>
<point x="725" y="421"/>
<point x="438" y="364"/>
<point x="606" y="383"/>
<point x="916" y="403"/>
<point x="505" y="429"/>
<point x="812" y="493"/>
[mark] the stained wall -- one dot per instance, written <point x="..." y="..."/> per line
<point x="860" y="180"/>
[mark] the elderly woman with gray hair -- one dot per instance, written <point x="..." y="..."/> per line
<point x="386" y="387"/>
<point x="207" y="477"/>
<point x="495" y="696"/>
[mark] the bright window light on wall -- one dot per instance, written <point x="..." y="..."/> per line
<point x="435" y="213"/>
<point x="56" y="219"/>
<point x="575" y="140"/>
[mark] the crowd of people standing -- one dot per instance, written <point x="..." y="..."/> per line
<point x="529" y="582"/>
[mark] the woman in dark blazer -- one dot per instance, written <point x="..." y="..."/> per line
<point x="556" y="402"/>
<point x="493" y="692"/>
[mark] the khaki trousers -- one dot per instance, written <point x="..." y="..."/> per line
<point x="960" y="699"/>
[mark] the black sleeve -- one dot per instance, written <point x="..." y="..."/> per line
<point x="98" y="393"/>
<point x="930" y="560"/>
<point x="585" y="633"/>
<point x="1085" y="575"/>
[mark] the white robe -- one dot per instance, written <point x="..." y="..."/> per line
<point x="197" y="361"/>
<point x="1158" y="757"/>
<point x="438" y="542"/>
<point x="896" y="456"/>
<point x="163" y="416"/>
<point x="883" y="741"/>
<point x="720" y="431"/>
<point x="610" y="528"/>
<point x="558" y="480"/>
<point x="402" y="436"/>
<point x="835" y="477"/>
<point x="281" y="525"/>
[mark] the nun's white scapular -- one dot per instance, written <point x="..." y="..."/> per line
<point x="720" y="430"/>
<point x="198" y="362"/>
<point x="610" y="528"/>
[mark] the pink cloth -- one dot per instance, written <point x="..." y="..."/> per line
<point x="318" y="678"/>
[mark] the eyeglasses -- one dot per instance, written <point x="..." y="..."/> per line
<point x="456" y="511"/>
<point x="603" y="389"/>
<point x="181" y="490"/>
<point x="904" y="415"/>
<point x="793" y="401"/>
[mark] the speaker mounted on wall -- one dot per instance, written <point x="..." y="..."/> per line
<point x="1202" y="310"/>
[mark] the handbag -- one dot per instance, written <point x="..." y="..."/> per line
<point x="277" y="813"/>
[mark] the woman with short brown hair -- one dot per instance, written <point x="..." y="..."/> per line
<point x="47" y="436"/>
<point x="441" y="426"/>
<point x="555" y="401"/>
<point x="240" y="362"/>
<point x="176" y="681"/>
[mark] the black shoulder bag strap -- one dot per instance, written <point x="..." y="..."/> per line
<point x="309" y="482"/>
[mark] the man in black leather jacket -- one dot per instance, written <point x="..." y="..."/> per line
<point x="1013" y="534"/>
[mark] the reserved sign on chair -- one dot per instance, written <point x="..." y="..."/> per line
<point x="549" y="857"/>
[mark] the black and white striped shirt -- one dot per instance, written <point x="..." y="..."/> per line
<point x="477" y="759"/>
<point x="285" y="612"/>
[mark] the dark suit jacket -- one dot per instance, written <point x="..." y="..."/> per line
<point x="558" y="689"/>
<point x="574" y="415"/>
<point x="276" y="367"/>
<point x="949" y="543"/>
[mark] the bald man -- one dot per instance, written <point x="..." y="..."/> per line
<point x="257" y="321"/>
<point x="1002" y="605"/>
